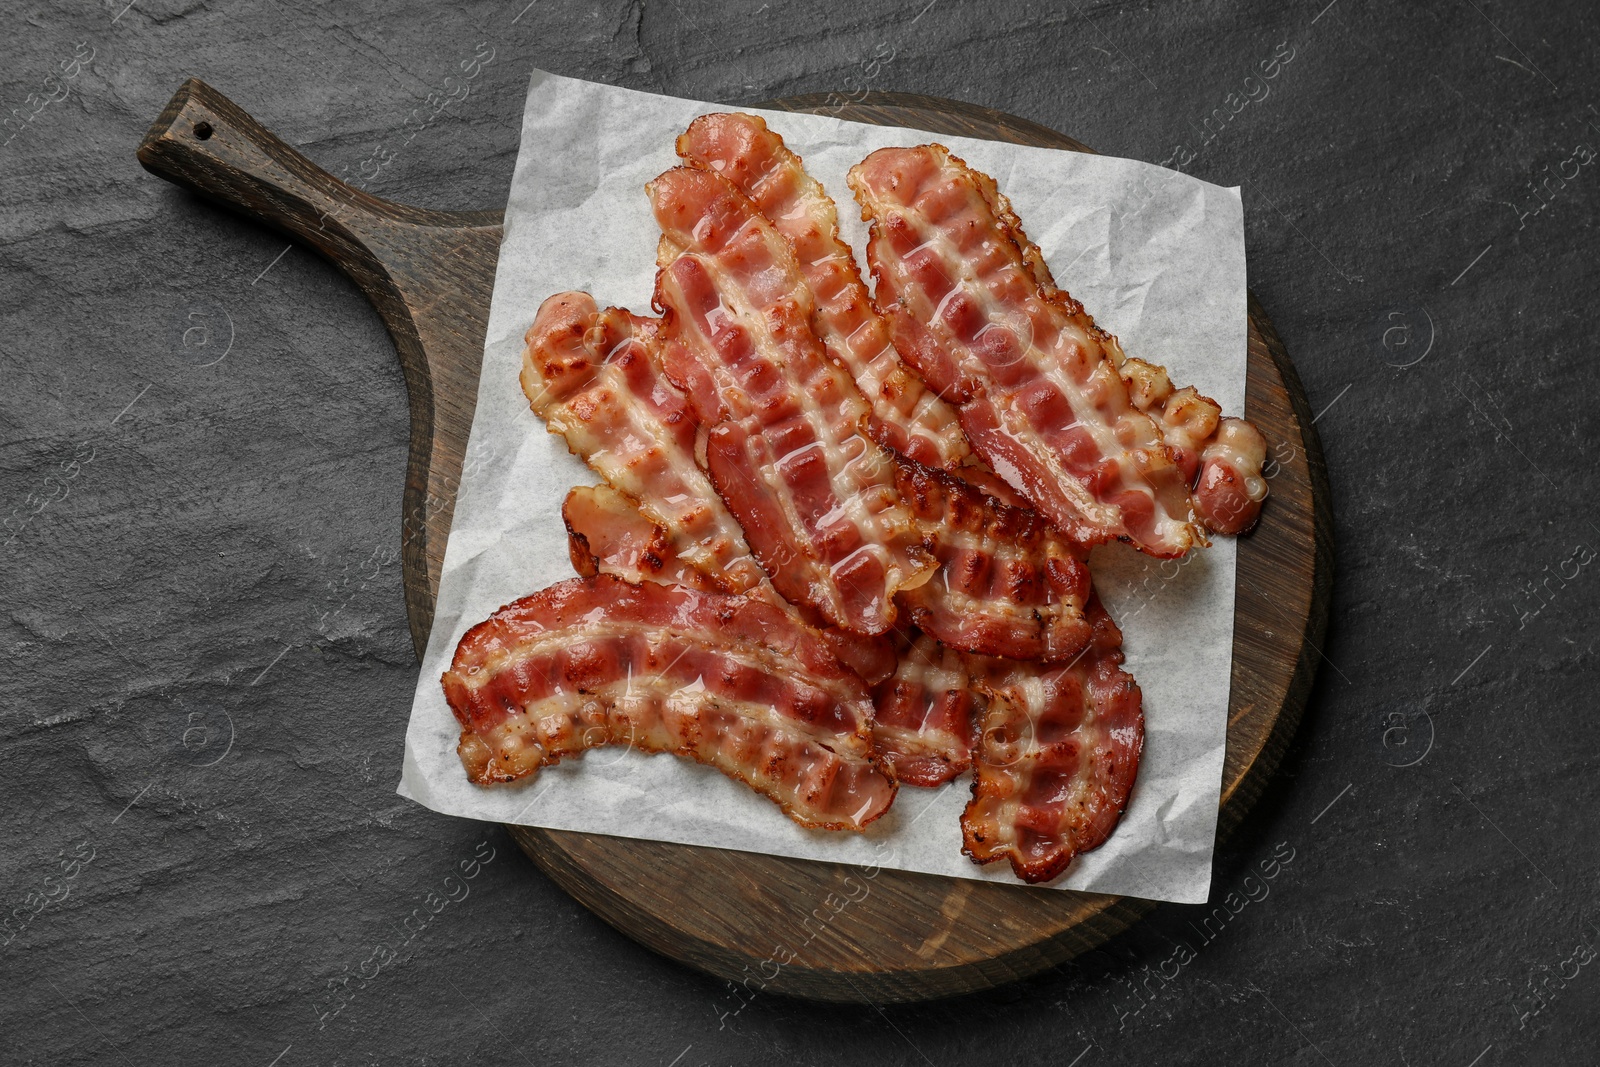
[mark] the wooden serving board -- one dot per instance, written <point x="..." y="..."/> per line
<point x="814" y="930"/>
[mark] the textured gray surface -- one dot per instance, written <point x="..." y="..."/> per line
<point x="207" y="666"/>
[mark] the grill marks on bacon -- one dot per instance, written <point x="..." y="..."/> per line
<point x="732" y="682"/>
<point x="594" y="377"/>
<point x="906" y="415"/>
<point x="1056" y="756"/>
<point x="787" y="448"/>
<point x="1039" y="398"/>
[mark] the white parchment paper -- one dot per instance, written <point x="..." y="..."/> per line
<point x="1157" y="257"/>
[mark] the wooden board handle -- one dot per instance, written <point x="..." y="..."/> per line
<point x="428" y="273"/>
<point x="207" y="143"/>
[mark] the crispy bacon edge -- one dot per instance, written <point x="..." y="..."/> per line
<point x="729" y="681"/>
<point x="606" y="531"/>
<point x="1056" y="758"/>
<point x="906" y="415"/>
<point x="1220" y="458"/>
<point x="1039" y="398"/>
<point x="595" y="379"/>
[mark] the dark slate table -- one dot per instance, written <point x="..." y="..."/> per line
<point x="207" y="666"/>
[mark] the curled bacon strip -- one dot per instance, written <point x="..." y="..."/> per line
<point x="907" y="416"/>
<point x="607" y="533"/>
<point x="606" y="395"/>
<point x="594" y="378"/>
<point x="926" y="714"/>
<point x="1057" y="753"/>
<point x="732" y="682"/>
<point x="1039" y="398"/>
<point x="1220" y="457"/>
<point x="923" y="692"/>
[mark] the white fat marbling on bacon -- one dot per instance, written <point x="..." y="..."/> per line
<point x="732" y="682"/>
<point x="925" y="714"/>
<point x="595" y="376"/>
<point x="907" y="416"/>
<point x="1007" y="584"/>
<point x="1056" y="756"/>
<point x="1054" y="748"/>
<point x="608" y="533"/>
<point x="1220" y="457"/>
<point x="807" y="486"/>
<point x="1039" y="398"/>
<point x="787" y="447"/>
<point x="595" y="379"/>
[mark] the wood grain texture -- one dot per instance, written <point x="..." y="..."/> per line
<point x="769" y="924"/>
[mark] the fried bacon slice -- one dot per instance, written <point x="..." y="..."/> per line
<point x="1014" y="592"/>
<point x="1007" y="585"/>
<point x="926" y="714"/>
<point x="1056" y="756"/>
<point x="926" y="696"/>
<point x="594" y="378"/>
<point x="607" y="533"/>
<point x="1038" y="396"/>
<point x="906" y="415"/>
<point x="738" y="341"/>
<point x="1220" y="458"/>
<point x="732" y="682"/>
<point x="787" y="447"/>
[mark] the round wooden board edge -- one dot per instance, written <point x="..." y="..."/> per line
<point x="583" y="864"/>
<point x="1238" y="800"/>
<point x="556" y="852"/>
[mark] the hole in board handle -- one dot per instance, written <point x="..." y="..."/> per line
<point x="203" y="130"/>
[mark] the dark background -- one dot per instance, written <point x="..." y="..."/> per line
<point x="202" y="446"/>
